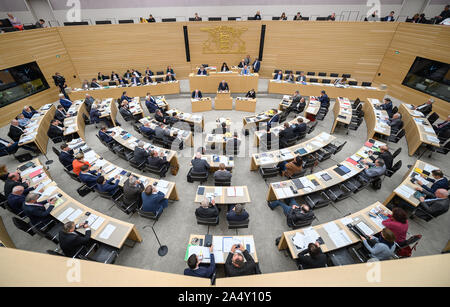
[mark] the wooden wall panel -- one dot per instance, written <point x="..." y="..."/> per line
<point x="46" y="48"/>
<point x="106" y="48"/>
<point x="411" y="40"/>
<point x="356" y="48"/>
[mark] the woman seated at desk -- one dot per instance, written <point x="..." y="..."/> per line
<point x="224" y="67"/>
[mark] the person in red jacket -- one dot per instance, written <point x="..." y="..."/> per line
<point x="397" y="223"/>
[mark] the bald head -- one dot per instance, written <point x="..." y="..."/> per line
<point x="198" y="155"/>
<point x="18" y="190"/>
<point x="441" y="193"/>
<point x="204" y="203"/>
<point x="396" y="115"/>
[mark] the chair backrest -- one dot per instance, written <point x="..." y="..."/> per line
<point x="339" y="148"/>
<point x="313" y="80"/>
<point x="275" y="18"/>
<point x="210" y="221"/>
<point x="322" y="74"/>
<point x="103" y="22"/>
<point x="352" y="83"/>
<point x="147" y="215"/>
<point x="276" y="70"/>
<point x="401" y="133"/>
<point x="126" y="21"/>
<point x="326" y="81"/>
<point x="366" y="83"/>
<point x="433" y="117"/>
<point x="298" y="72"/>
<point x="56" y="151"/>
<point x="22" y="225"/>
<point x="287" y="71"/>
<point x="396" y="166"/>
<point x="214" y="18"/>
<point x="334" y="74"/>
<point x="397" y="152"/>
<point x="310" y="73"/>
<point x="394" y="110"/>
<point x="169" y="20"/>
<point x="238" y="224"/>
<point x="222" y="182"/>
<point x="346" y="75"/>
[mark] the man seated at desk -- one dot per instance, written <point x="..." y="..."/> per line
<point x="442" y="128"/>
<point x="124" y="110"/>
<point x="89" y="101"/>
<point x="151" y="104"/>
<point x="95" y="84"/>
<point x="23" y="121"/>
<point x="66" y="156"/>
<point x="294" y="212"/>
<point x="158" y="161"/>
<point x="36" y="211"/>
<point x="55" y="130"/>
<point x="275" y="118"/>
<point x="224" y="67"/>
<point x="300" y="127"/>
<point x="433" y="204"/>
<point x="107" y="186"/>
<point x="247" y="60"/>
<point x="198" y="269"/>
<point x="373" y="170"/>
<point x="89" y="177"/>
<point x="235" y="265"/>
<point x="395" y="122"/>
<point x="95" y="114"/>
<point x="114" y="76"/>
<point x="140" y="154"/>
<point x="70" y="241"/>
<point x="153" y="200"/>
<point x="256" y="65"/>
<point x="245" y="70"/>
<point x="222" y="173"/>
<point x="125" y="97"/>
<point x="223" y="86"/>
<point x="251" y="94"/>
<point x="197" y="94"/>
<point x="136" y="73"/>
<point x="161" y="132"/>
<point x="14" y="180"/>
<point x="387" y="106"/>
<point x="290" y="77"/>
<point x="147" y="80"/>
<point x="232" y="144"/>
<point x="170" y="70"/>
<point x="324" y="100"/>
<point x="278" y="76"/>
<point x="199" y="165"/>
<point x="170" y="77"/>
<point x="66" y="103"/>
<point x="202" y="71"/>
<point x="316" y="258"/>
<point x="7" y="148"/>
<point x="147" y="130"/>
<point x="222" y="129"/>
<point x="425" y="108"/>
<point x="148" y="72"/>
<point x="135" y="80"/>
<point x="28" y="112"/>
<point x="60" y="114"/>
<point x="438" y="180"/>
<point x="384" y="154"/>
<point x="132" y="189"/>
<point x="285" y="135"/>
<point x="15" y="130"/>
<point x="241" y="63"/>
<point x="16" y="199"/>
<point x="207" y="209"/>
<point x="301" y="77"/>
<point x="237" y="213"/>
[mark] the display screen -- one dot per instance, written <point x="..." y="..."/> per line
<point x="19" y="82"/>
<point x="431" y="77"/>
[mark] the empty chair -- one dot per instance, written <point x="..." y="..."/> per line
<point x="298" y="72"/>
<point x="433" y="117"/>
<point x="288" y="71"/>
<point x="352" y="184"/>
<point x="334" y="74"/>
<point x="161" y="171"/>
<point x="102" y="253"/>
<point x="317" y="200"/>
<point x="323" y="155"/>
<point x="396" y="137"/>
<point x="302" y="223"/>
<point x="222" y="182"/>
<point x="24" y="226"/>
<point x="126" y="21"/>
<point x="103" y="22"/>
<point x="299" y="174"/>
<point x="169" y="20"/>
<point x="311" y="128"/>
<point x="346" y="75"/>
<point x="238" y="224"/>
<point x="338" y="192"/>
<point x="366" y="83"/>
<point x="210" y="221"/>
<point x="322" y="74"/>
<point x="275" y="17"/>
<point x="314" y="80"/>
<point x="160" y="73"/>
<point x="128" y="209"/>
<point x="397" y="152"/>
<point x="139" y="166"/>
<point x="335" y="148"/>
<point x="394" y="169"/>
<point x="442" y="150"/>
<point x="321" y="18"/>
<point x="310" y="73"/>
<point x="148" y="215"/>
<point x="193" y="176"/>
<point x="214" y="18"/>
<point x="326" y="81"/>
<point x="125" y="154"/>
<point x="233" y="18"/>
<point x="356" y="103"/>
<point x="268" y="172"/>
<point x="352" y="83"/>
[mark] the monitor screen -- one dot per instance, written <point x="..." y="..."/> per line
<point x="430" y="77"/>
<point x="19" y="82"/>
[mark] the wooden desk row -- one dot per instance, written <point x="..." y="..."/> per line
<point x="75" y="125"/>
<point x="311" y="89"/>
<point x="214" y="162"/>
<point x="191" y="119"/>
<point x="342" y="112"/>
<point x="108" y="109"/>
<point x="274" y="157"/>
<point x="37" y="129"/>
<point x="236" y="82"/>
<point x="376" y="120"/>
<point x="255" y="120"/>
<point x="319" y="78"/>
<point x="418" y="130"/>
<point x="275" y="131"/>
<point x="184" y="135"/>
<point x="162" y="88"/>
<point x="223" y="195"/>
<point x="105" y="229"/>
<point x="334" y="234"/>
<point x="304" y="185"/>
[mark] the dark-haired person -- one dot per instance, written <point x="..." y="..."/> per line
<point x="107" y="186"/>
<point x="433" y="204"/>
<point x="89" y="177"/>
<point x="202" y="71"/>
<point x="197" y="269"/>
<point x="40" y="23"/>
<point x="251" y="94"/>
<point x="444" y="14"/>
<point x="125" y="97"/>
<point x="60" y="113"/>
<point x="332" y="17"/>
<point x="298" y="16"/>
<point x="170" y="70"/>
<point x="153" y="200"/>
<point x="55" y="130"/>
<point x="151" y="18"/>
<point x="300" y="127"/>
<point x="324" y="100"/>
<point x="316" y="258"/>
<point x="389" y="17"/>
<point x="397" y="222"/>
<point x="257" y="15"/>
<point x="196" y="94"/>
<point x="384" y="247"/>
<point x="293" y="211"/>
<point x="387" y="106"/>
<point x="235" y="265"/>
<point x="278" y="76"/>
<point x="224" y="67"/>
<point x="71" y="241"/>
<point x="66" y="156"/>
<point x="384" y="154"/>
<point x="256" y="65"/>
<point x="283" y="16"/>
<point x="95" y="84"/>
<point x="36" y="211"/>
<point x="438" y="180"/>
<point x="237" y="213"/>
<point x="293" y="167"/>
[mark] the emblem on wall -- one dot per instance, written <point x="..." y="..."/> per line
<point x="224" y="39"/>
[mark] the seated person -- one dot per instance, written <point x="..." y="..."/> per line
<point x="132" y="189"/>
<point x="124" y="110"/>
<point x="207" y="209"/>
<point x="199" y="165"/>
<point x="94" y="116"/>
<point x="135" y="80"/>
<point x="222" y="129"/>
<point x="232" y="144"/>
<point x="127" y="75"/>
<point x="8" y="148"/>
<point x="79" y="162"/>
<point x="222" y="173"/>
<point x="16" y="199"/>
<point x="274" y="119"/>
<point x="140" y="154"/>
<point x="55" y="130"/>
<point x="426" y="108"/>
<point x="66" y="103"/>
<point x="153" y="200"/>
<point x="15" y="130"/>
<point x="125" y="97"/>
<point x="245" y="70"/>
<point x="373" y="170"/>
<point x="235" y="265"/>
<point x="202" y="71"/>
<point x="146" y="130"/>
<point x="438" y="180"/>
<point x="241" y="63"/>
<point x="293" y="212"/>
<point x="440" y="128"/>
<point x="223" y="86"/>
<point x="14" y="180"/>
<point x="247" y="60"/>
<point x="28" y="112"/>
<point x="387" y="106"/>
<point x="106" y="136"/>
<point x="290" y="77"/>
<point x="170" y="70"/>
<point x="147" y="80"/>
<point x="384" y="154"/>
<point x="170" y="77"/>
<point x="148" y="72"/>
<point x="95" y="84"/>
<point x="397" y="222"/>
<point x="296" y="98"/>
<point x="151" y="104"/>
<point x="433" y="205"/>
<point x="88" y="177"/>
<point x="23" y="121"/>
<point x="332" y="17"/>
<point x="107" y="186"/>
<point x="324" y="100"/>
<point x="285" y="135"/>
<point x="316" y="258"/>
<point x="278" y="76"/>
<point x="237" y="213"/>
<point x="66" y="156"/>
<point x="60" y="114"/>
<point x="114" y="76"/>
<point x="251" y="94"/>
<point x="396" y="122"/>
<point x="384" y="247"/>
<point x="36" y="211"/>
<point x="300" y="127"/>
<point x="288" y="169"/>
<point x="157" y="161"/>
<point x="70" y="241"/>
<point x="161" y="132"/>
<point x="197" y="269"/>
<point x="256" y="65"/>
<point x="301" y="77"/>
<point x="224" y="67"/>
<point x="197" y="94"/>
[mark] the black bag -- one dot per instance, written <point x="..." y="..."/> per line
<point x="25" y="157"/>
<point x="376" y="184"/>
<point x="277" y="241"/>
<point x="83" y="190"/>
<point x="297" y="214"/>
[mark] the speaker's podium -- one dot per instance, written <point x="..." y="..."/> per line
<point x="223" y="101"/>
<point x="201" y="105"/>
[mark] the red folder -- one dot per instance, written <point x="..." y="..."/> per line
<point x="35" y="173"/>
<point x="368" y="144"/>
<point x="351" y="161"/>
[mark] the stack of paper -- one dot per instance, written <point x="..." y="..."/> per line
<point x="107" y="232"/>
<point x="404" y="190"/>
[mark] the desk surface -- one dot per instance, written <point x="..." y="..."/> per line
<point x="309" y="77"/>
<point x="312" y="106"/>
<point x="184" y="135"/>
<point x="376" y="120"/>
<point x="36" y="130"/>
<point x="276" y="130"/>
<point x="75" y="123"/>
<point x="223" y="195"/>
<point x="260" y="117"/>
<point x="335" y="234"/>
<point x="215" y="160"/>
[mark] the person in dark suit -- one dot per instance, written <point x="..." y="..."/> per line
<point x="88" y="102"/>
<point x="332" y="17"/>
<point x="433" y="205"/>
<point x="170" y="77"/>
<point x="235" y="265"/>
<point x="28" y="112"/>
<point x="324" y="100"/>
<point x="257" y="15"/>
<point x="396" y="122"/>
<point x="147" y="80"/>
<point x="95" y="84"/>
<point x="66" y="156"/>
<point x="60" y="82"/>
<point x="224" y="67"/>
<point x="290" y="77"/>
<point x="7" y="148"/>
<point x="153" y="200"/>
<point x="387" y="106"/>
<point x="140" y="154"/>
<point x="135" y="80"/>
<point x="256" y="65"/>
<point x="202" y="71"/>
<point x="94" y="115"/>
<point x="114" y="76"/>
<point x="316" y="258"/>
<point x="16" y="199"/>
<point x="14" y="180"/>
<point x="107" y="186"/>
<point x="197" y="269"/>
<point x="148" y="72"/>
<point x="389" y="17"/>
<point x="70" y="241"/>
<point x="300" y="127"/>
<point x="127" y="75"/>
<point x="443" y="127"/>
<point x="55" y="130"/>
<point x="426" y="108"/>
<point x="146" y="130"/>
<point x="60" y="114"/>
<point x="241" y="63"/>
<point x="197" y="94"/>
<point x="223" y="86"/>
<point x="132" y="189"/>
<point x="170" y="70"/>
<point x="237" y="213"/>
<point x="89" y="177"/>
<point x="274" y="119"/>
<point x="105" y="136"/>
<point x="151" y="104"/>
<point x="157" y="161"/>
<point x="438" y="180"/>
<point x="207" y="209"/>
<point x="384" y="154"/>
<point x="161" y="132"/>
<point x="15" y="130"/>
<point x="124" y="110"/>
<point x="232" y="144"/>
<point x="222" y="129"/>
<point x="159" y="117"/>
<point x="125" y="97"/>
<point x="151" y="18"/>
<point x="36" y="211"/>
<point x="136" y="73"/>
<point x="301" y="77"/>
<point x="199" y="165"/>
<point x="296" y="98"/>
<point x="278" y="76"/>
<point x="251" y="94"/>
<point x="298" y="16"/>
<point x="66" y="103"/>
<point x="285" y="135"/>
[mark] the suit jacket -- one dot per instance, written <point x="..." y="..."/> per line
<point x="149" y="72"/>
<point x="125" y="97"/>
<point x="223" y="87"/>
<point x="307" y="262"/>
<point x="202" y="271"/>
<point x="248" y="268"/>
<point x="211" y="211"/>
<point x="200" y="72"/>
<point x="60" y="115"/>
<point x="274" y="119"/>
<point x="55" y="131"/>
<point x="395" y="123"/>
<point x="66" y="158"/>
<point x="278" y="77"/>
<point x="375" y="171"/>
<point x="132" y="193"/>
<point x="88" y="102"/>
<point x="442" y="127"/>
<point x="10" y="184"/>
<point x="286" y="134"/>
<point x="151" y="105"/>
<point x="200" y="166"/>
<point x="95" y="85"/>
<point x="125" y="112"/>
<point x="29" y="114"/>
<point x="15" y="202"/>
<point x="388" y="108"/>
<point x="437" y="184"/>
<point x="105" y="137"/>
<point x="232" y="216"/>
<point x="140" y="155"/>
<point x="250" y="94"/>
<point x="159" y="118"/>
<point x="135" y="80"/>
<point x="108" y="186"/>
<point x="37" y="212"/>
<point x="199" y="94"/>
<point x="222" y="174"/>
<point x="256" y="65"/>
<point x="94" y="115"/>
<point x="127" y="75"/>
<point x="89" y="178"/>
<point x="15" y="133"/>
<point x="290" y="78"/>
<point x="170" y="78"/>
<point x="71" y="242"/>
<point x="425" y="108"/>
<point x="157" y="162"/>
<point x="299" y="128"/>
<point x="432" y="206"/>
<point x="66" y="103"/>
<point x="147" y="131"/>
<point x="387" y="158"/>
<point x="324" y="101"/>
<point x="153" y="202"/>
<point x="301" y="78"/>
<point x="161" y="133"/>
<point x="113" y="76"/>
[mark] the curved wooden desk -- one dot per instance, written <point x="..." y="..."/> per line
<point x="75" y="124"/>
<point x="276" y="130"/>
<point x="342" y="110"/>
<point x="376" y="120"/>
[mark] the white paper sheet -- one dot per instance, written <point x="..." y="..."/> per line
<point x="65" y="214"/>
<point x="106" y="233"/>
<point x="75" y="215"/>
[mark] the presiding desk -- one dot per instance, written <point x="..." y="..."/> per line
<point x="406" y="189"/>
<point x="335" y="234"/>
<point x="110" y="170"/>
<point x="201" y="104"/>
<point x="418" y="130"/>
<point x="275" y="131"/>
<point x="342" y="112"/>
<point x="236" y="82"/>
<point x="376" y="119"/>
<point x="223" y="195"/>
<point x="223" y="101"/>
<point x="104" y="228"/>
<point x="74" y="125"/>
<point x="162" y="88"/>
<point x="221" y="247"/>
<point x="310" y="89"/>
<point x="325" y="179"/>
<point x="36" y="130"/>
